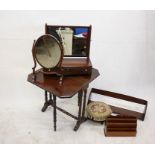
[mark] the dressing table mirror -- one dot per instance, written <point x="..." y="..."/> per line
<point x="63" y="50"/>
<point x="76" y="46"/>
<point x="75" y="39"/>
<point x="48" y="53"/>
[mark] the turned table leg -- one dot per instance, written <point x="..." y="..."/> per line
<point x="46" y="104"/>
<point x="80" y="94"/>
<point x="54" y="111"/>
<point x="84" y="104"/>
<point x="81" y="112"/>
<point x="50" y="100"/>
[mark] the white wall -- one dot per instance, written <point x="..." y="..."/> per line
<point x="150" y="41"/>
<point x="122" y="46"/>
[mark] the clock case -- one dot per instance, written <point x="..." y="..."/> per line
<point x="73" y="65"/>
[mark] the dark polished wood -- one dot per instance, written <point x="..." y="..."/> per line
<point x="50" y="103"/>
<point x="81" y="102"/>
<point x="84" y="103"/>
<point x="46" y="102"/>
<point x="72" y="66"/>
<point x="76" y="62"/>
<point x="79" y="66"/>
<point x="54" y="111"/>
<point x="120" y="126"/>
<point x="80" y="95"/>
<point x="70" y="86"/>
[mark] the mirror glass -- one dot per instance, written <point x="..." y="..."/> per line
<point x="48" y="51"/>
<point x="75" y="40"/>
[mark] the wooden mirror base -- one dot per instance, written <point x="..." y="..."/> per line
<point x="72" y="66"/>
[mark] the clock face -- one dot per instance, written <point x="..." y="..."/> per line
<point x="48" y="51"/>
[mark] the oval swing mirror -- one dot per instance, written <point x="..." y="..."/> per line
<point x="48" y="52"/>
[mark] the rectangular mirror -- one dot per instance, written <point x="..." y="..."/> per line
<point x="76" y="39"/>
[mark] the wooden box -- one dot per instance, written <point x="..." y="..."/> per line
<point x="76" y="66"/>
<point x="120" y="126"/>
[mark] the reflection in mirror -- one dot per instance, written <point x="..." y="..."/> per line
<point x="118" y="102"/>
<point x="74" y="39"/>
<point x="80" y="41"/>
<point x="47" y="51"/>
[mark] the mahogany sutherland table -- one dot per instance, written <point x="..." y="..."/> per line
<point x="71" y="85"/>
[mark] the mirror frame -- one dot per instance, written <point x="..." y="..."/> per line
<point x="47" y="27"/>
